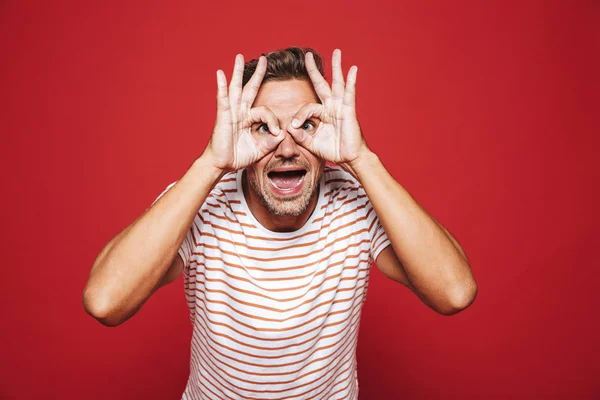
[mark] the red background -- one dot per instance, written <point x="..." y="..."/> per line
<point x="483" y="111"/>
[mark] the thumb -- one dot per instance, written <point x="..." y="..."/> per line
<point x="271" y="141"/>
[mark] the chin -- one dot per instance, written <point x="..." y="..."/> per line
<point x="294" y="211"/>
<point x="288" y="205"/>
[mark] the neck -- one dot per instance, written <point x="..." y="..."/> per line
<point x="276" y="223"/>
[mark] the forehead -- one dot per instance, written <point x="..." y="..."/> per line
<point x="285" y="98"/>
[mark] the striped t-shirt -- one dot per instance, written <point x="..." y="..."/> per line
<point x="275" y="315"/>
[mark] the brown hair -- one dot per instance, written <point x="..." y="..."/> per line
<point x="284" y="64"/>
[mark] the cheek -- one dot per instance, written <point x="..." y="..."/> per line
<point x="256" y="170"/>
<point x="318" y="166"/>
<point x="260" y="180"/>
<point x="253" y="176"/>
<point x="315" y="162"/>
<point x="259" y="135"/>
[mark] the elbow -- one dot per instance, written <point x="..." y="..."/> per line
<point x="460" y="299"/>
<point x="100" y="308"/>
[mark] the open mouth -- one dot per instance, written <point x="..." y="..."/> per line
<point x="287" y="180"/>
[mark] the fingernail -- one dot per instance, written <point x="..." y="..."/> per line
<point x="295" y="123"/>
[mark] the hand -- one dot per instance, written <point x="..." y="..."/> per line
<point x="242" y="135"/>
<point x="338" y="137"/>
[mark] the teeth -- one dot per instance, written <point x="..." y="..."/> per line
<point x="299" y="183"/>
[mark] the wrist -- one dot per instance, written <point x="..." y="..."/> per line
<point x="210" y="158"/>
<point x="205" y="165"/>
<point x="363" y="162"/>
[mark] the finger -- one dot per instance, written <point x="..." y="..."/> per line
<point x="337" y="74"/>
<point x="235" y="86"/>
<point x="307" y="111"/>
<point x="350" y="92"/>
<point x="251" y="89"/>
<point x="320" y="84"/>
<point x="222" y="98"/>
<point x="267" y="142"/>
<point x="264" y="114"/>
<point x="270" y="142"/>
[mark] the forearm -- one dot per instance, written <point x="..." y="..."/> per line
<point x="131" y="265"/>
<point x="432" y="258"/>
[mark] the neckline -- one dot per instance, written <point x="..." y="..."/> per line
<point x="304" y="228"/>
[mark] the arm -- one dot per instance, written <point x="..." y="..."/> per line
<point x="133" y="264"/>
<point x="424" y="256"/>
<point x="142" y="257"/>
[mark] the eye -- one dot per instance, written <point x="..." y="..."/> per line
<point x="307" y="125"/>
<point x="264" y="128"/>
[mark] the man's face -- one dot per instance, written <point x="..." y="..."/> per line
<point x="287" y="179"/>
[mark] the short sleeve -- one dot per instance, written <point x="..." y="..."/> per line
<point x="379" y="239"/>
<point x="185" y="251"/>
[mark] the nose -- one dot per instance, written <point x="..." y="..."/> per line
<point x="288" y="148"/>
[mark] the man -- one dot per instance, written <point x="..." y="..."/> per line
<point x="275" y="245"/>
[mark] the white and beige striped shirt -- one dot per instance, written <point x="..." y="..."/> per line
<point x="276" y="315"/>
